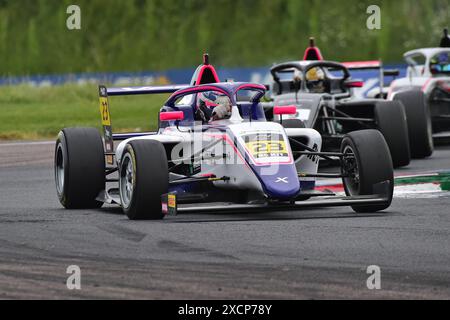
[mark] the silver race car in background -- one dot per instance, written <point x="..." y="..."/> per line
<point x="199" y="162"/>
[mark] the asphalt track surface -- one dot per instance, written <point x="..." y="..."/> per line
<point x="308" y="254"/>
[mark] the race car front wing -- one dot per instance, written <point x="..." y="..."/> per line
<point x="381" y="196"/>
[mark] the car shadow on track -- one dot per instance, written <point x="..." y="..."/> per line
<point x="264" y="217"/>
<point x="241" y="216"/>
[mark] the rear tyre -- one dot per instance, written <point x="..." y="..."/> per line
<point x="419" y="123"/>
<point x="79" y="168"/>
<point x="391" y="121"/>
<point x="367" y="162"/>
<point x="143" y="179"/>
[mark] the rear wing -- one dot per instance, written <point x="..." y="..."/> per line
<point x="373" y="65"/>
<point x="363" y="65"/>
<point x="129" y="91"/>
<point x="105" y="92"/>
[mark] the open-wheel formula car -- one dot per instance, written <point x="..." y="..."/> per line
<point x="418" y="117"/>
<point x="237" y="162"/>
<point x="427" y="82"/>
<point x="322" y="92"/>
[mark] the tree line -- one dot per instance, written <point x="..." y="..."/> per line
<point x="136" y="35"/>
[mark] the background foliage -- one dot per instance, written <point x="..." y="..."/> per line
<point x="136" y="35"/>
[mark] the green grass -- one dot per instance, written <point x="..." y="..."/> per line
<point x="40" y="113"/>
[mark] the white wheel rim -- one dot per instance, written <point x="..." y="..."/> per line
<point x="59" y="169"/>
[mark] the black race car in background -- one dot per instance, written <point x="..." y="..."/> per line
<point x="322" y="92"/>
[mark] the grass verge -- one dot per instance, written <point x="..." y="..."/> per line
<point x="40" y="113"/>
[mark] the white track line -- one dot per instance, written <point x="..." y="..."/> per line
<point x="18" y="144"/>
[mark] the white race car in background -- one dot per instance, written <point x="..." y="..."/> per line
<point x="428" y="72"/>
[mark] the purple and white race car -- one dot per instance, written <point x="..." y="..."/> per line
<point x="196" y="161"/>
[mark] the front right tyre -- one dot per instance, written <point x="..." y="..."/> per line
<point x="143" y="179"/>
<point x="419" y="122"/>
<point x="391" y="120"/>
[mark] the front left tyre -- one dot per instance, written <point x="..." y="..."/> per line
<point x="366" y="164"/>
<point x="79" y="168"/>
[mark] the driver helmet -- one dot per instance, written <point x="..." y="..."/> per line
<point x="219" y="103"/>
<point x="315" y="74"/>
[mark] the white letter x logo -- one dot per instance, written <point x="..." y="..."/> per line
<point x="284" y="180"/>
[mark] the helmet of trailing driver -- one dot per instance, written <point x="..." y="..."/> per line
<point x="315" y="80"/>
<point x="315" y="74"/>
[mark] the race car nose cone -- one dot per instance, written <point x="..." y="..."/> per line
<point x="282" y="183"/>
